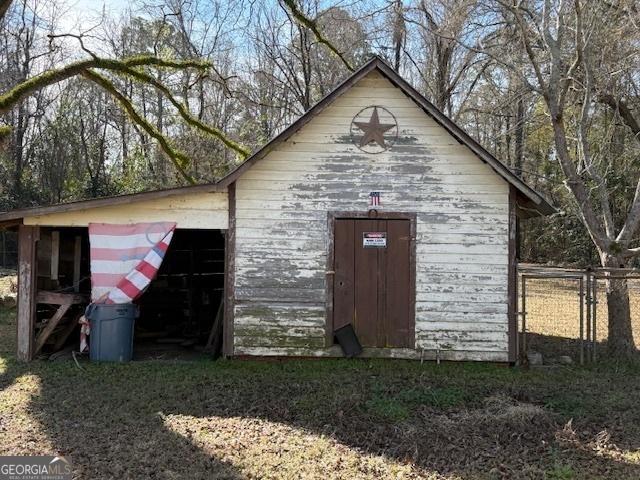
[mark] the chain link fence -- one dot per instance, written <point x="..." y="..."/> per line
<point x="563" y="315"/>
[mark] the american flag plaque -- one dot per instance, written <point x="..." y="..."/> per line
<point x="374" y="201"/>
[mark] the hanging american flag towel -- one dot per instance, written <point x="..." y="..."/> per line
<point x="125" y="258"/>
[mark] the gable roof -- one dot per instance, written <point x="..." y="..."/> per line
<point x="530" y="203"/>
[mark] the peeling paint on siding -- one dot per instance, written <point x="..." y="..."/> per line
<point x="462" y="223"/>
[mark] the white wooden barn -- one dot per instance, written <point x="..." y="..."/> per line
<point x="372" y="209"/>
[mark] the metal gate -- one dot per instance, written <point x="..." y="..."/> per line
<point x="563" y="311"/>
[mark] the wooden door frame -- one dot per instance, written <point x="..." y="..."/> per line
<point x="332" y="216"/>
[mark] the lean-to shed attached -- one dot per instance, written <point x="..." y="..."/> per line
<point x="373" y="209"/>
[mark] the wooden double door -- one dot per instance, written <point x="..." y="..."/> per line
<point x="373" y="284"/>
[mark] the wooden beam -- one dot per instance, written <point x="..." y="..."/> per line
<point x="77" y="259"/>
<point x="229" y="275"/>
<point x="27" y="241"/>
<point x="512" y="277"/>
<point x="55" y="254"/>
<point x="50" y="327"/>
<point x="57" y="298"/>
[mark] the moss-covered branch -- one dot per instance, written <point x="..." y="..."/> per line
<point x="11" y="98"/>
<point x="127" y="66"/>
<point x="312" y="25"/>
<point x="5" y="131"/>
<point x="179" y="159"/>
<point x="242" y="151"/>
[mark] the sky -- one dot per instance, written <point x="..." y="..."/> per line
<point x="82" y="14"/>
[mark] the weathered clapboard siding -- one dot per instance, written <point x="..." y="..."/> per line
<point x="461" y="238"/>
<point x="195" y="210"/>
<point x="450" y="355"/>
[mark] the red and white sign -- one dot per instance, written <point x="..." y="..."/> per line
<point x="374" y="239"/>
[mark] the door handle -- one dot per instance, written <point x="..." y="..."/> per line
<point x="330" y="272"/>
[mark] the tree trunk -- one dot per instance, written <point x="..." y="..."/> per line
<point x="519" y="141"/>
<point x="620" y="342"/>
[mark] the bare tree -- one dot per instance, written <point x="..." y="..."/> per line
<point x="446" y="50"/>
<point x="94" y="68"/>
<point x="570" y="47"/>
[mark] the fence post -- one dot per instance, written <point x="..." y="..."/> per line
<point x="587" y="300"/>
<point x="523" y="315"/>
<point x="581" y="281"/>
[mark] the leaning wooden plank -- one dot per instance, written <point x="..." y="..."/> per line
<point x="61" y="340"/>
<point x="215" y="328"/>
<point x="50" y="327"/>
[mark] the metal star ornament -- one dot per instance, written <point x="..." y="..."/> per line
<point x="374" y="130"/>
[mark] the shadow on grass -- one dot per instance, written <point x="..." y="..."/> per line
<point x="331" y="419"/>
<point x="552" y="347"/>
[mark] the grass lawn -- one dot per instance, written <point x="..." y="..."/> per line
<point x="321" y="419"/>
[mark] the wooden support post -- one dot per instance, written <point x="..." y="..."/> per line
<point x="512" y="280"/>
<point x="55" y="254"/>
<point x="77" y="258"/>
<point x="27" y="241"/>
<point x="229" y="275"/>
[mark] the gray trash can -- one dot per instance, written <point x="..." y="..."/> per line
<point x="111" y="338"/>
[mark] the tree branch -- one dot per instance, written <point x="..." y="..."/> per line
<point x="619" y="106"/>
<point x="125" y="66"/>
<point x="312" y="25"/>
<point x="622" y="108"/>
<point x="582" y="58"/>
<point x="179" y="159"/>
<point x="9" y="99"/>
<point x="549" y="92"/>
<point x="242" y="151"/>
